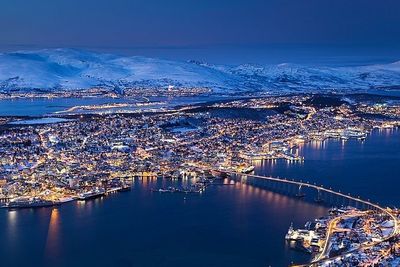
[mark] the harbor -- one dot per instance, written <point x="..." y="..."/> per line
<point x="40" y="202"/>
<point x="244" y="211"/>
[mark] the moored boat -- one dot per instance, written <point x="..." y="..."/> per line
<point x="29" y="203"/>
<point x="248" y="169"/>
<point x="91" y="194"/>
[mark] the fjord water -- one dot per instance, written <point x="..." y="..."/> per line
<point x="227" y="226"/>
<point x="237" y="225"/>
<point x="369" y="169"/>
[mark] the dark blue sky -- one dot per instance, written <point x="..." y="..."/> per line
<point x="135" y="23"/>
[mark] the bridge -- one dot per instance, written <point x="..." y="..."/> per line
<point x="319" y="189"/>
<point x="287" y="185"/>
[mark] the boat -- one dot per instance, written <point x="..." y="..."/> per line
<point x="289" y="235"/>
<point x="165" y="190"/>
<point x="388" y="126"/>
<point x="196" y="188"/>
<point x="91" y="194"/>
<point x="29" y="203"/>
<point x="248" y="169"/>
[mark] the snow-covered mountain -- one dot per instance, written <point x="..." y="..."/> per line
<point x="53" y="69"/>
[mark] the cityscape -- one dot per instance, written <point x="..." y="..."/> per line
<point x="174" y="140"/>
<point x="82" y="157"/>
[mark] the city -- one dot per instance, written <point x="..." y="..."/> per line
<point x="91" y="155"/>
<point x="246" y="133"/>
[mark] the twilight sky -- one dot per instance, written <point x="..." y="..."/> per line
<point x="158" y="23"/>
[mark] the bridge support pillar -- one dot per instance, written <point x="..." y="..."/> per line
<point x="319" y="196"/>
<point x="299" y="192"/>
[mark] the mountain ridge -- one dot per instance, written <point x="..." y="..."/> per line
<point x="71" y="69"/>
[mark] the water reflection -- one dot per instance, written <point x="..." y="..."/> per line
<point x="257" y="162"/>
<point x="12" y="227"/>
<point x="316" y="144"/>
<point x="274" y="199"/>
<point x="249" y="214"/>
<point x="52" y="249"/>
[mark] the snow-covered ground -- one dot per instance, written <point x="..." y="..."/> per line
<point x="52" y="69"/>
